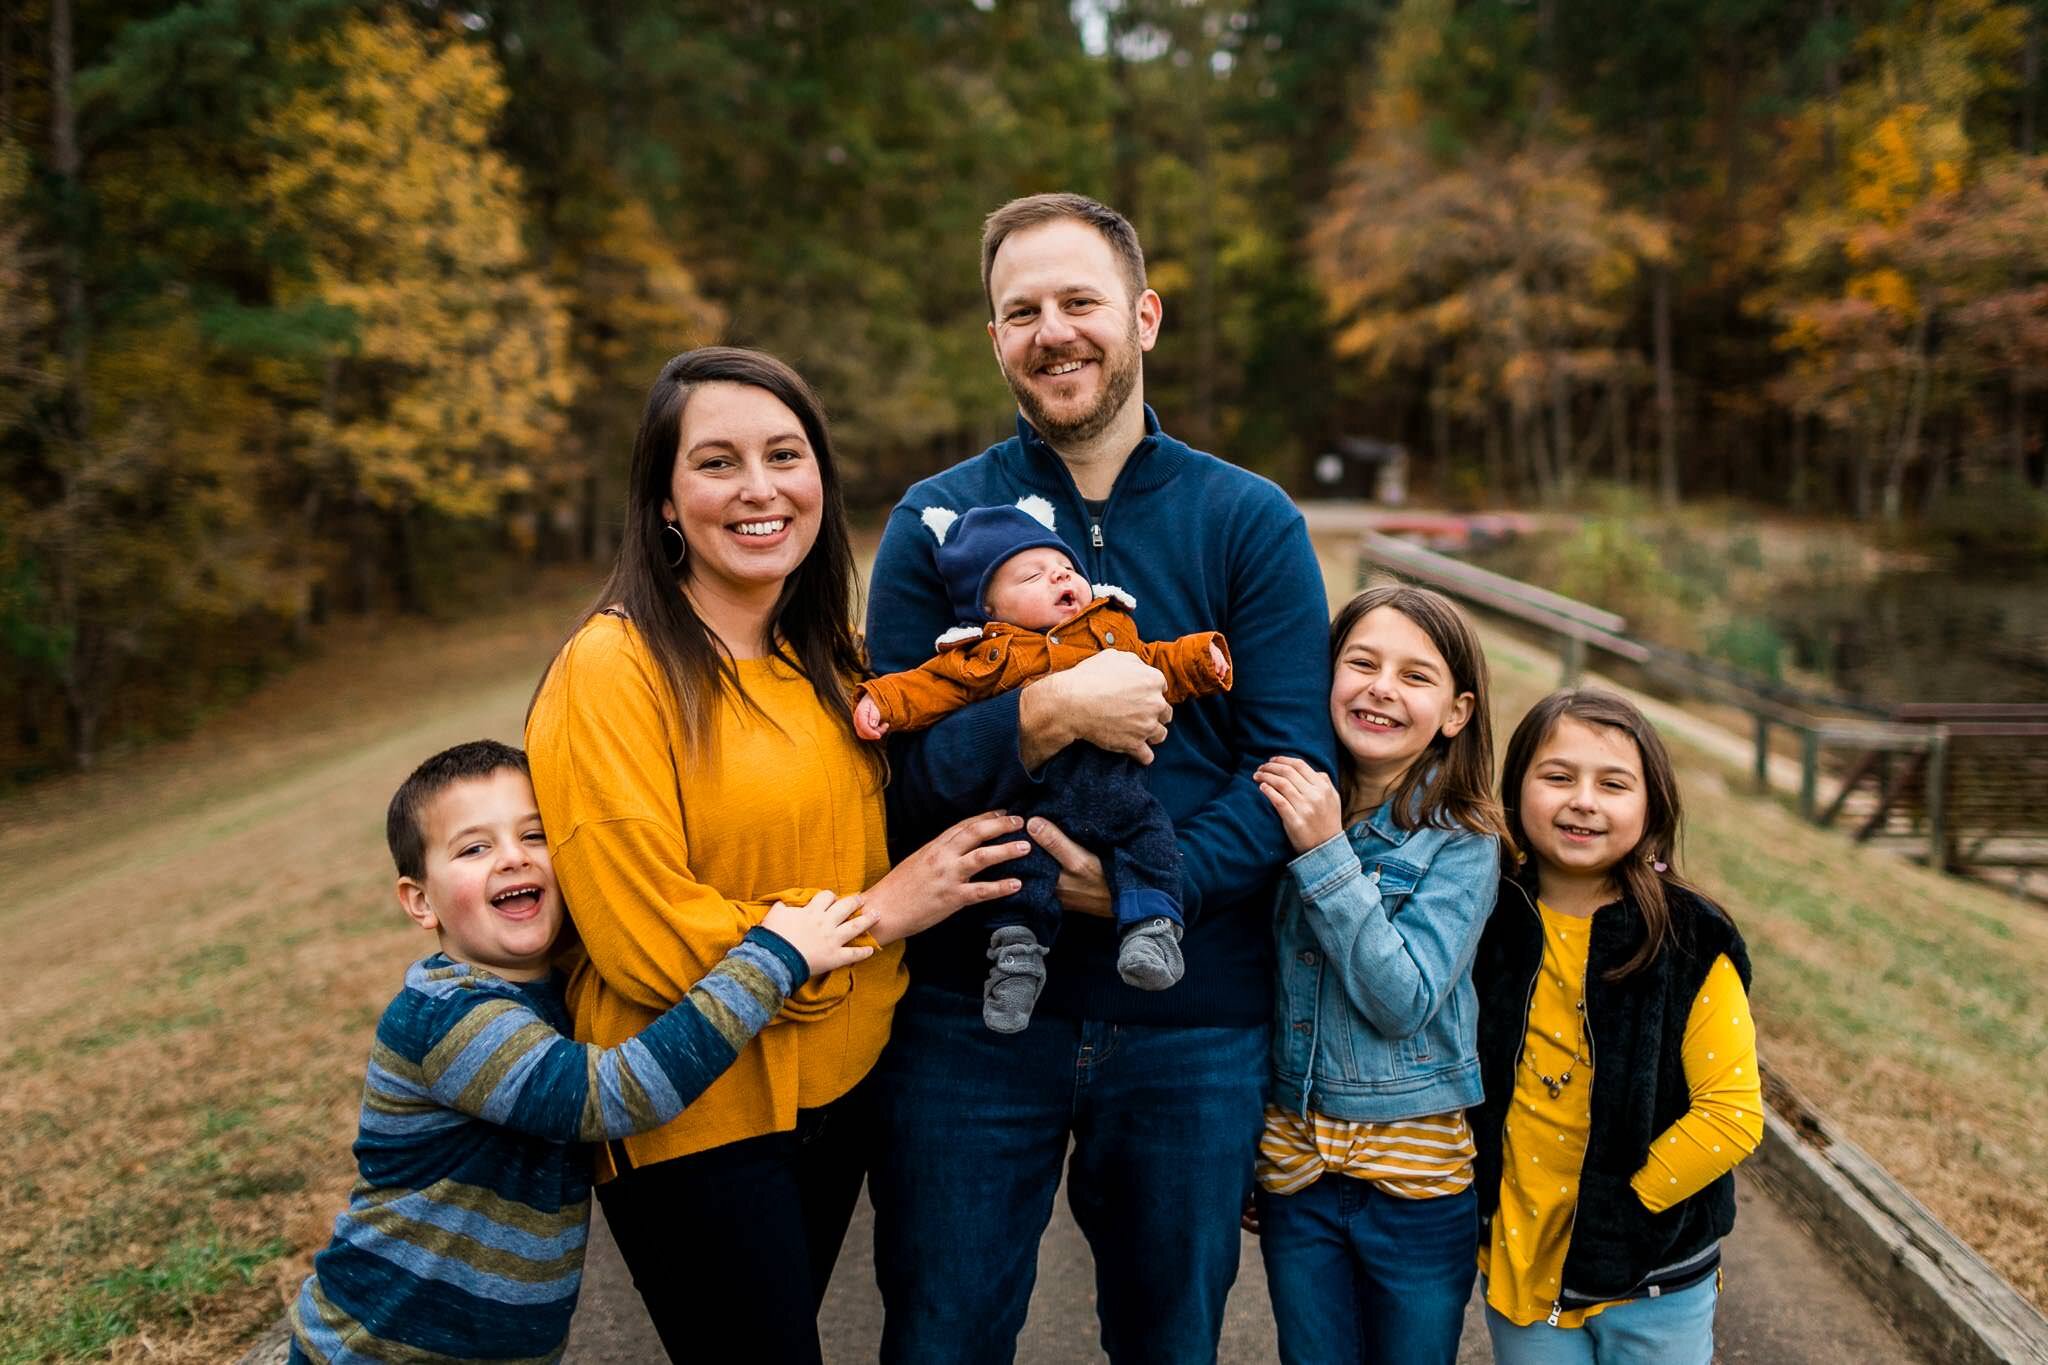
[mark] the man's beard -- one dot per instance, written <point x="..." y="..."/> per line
<point x="1119" y="380"/>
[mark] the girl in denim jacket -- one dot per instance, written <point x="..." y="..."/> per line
<point x="1367" y="1215"/>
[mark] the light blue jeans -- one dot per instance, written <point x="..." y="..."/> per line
<point x="1671" y="1329"/>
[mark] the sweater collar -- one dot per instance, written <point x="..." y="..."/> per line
<point x="1152" y="462"/>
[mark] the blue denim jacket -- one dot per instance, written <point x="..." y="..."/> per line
<point x="1376" y="1018"/>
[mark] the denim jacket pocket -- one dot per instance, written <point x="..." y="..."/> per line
<point x="1394" y="879"/>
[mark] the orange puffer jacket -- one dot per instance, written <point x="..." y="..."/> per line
<point x="973" y="665"/>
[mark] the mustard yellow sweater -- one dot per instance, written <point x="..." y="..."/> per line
<point x="666" y="861"/>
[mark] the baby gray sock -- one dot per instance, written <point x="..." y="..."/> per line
<point x="1150" y="956"/>
<point x="1013" y="984"/>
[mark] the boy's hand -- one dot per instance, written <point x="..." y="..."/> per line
<point x="1219" y="663"/>
<point x="823" y="930"/>
<point x="1305" y="800"/>
<point x="867" y="719"/>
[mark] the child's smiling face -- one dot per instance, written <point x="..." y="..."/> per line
<point x="1391" y="694"/>
<point x="1036" y="589"/>
<point x="1583" y="803"/>
<point x="489" y="889"/>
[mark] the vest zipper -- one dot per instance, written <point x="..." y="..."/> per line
<point x="1557" y="1304"/>
<point x="1095" y="527"/>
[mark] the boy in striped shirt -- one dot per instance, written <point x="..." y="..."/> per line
<point x="464" y="1236"/>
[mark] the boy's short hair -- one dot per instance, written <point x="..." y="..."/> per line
<point x="404" y="822"/>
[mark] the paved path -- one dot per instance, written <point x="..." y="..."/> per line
<point x="1784" y="1304"/>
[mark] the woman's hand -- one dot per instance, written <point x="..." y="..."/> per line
<point x="1305" y="800"/>
<point x="1082" y="886"/>
<point x="823" y="930"/>
<point x="938" y="879"/>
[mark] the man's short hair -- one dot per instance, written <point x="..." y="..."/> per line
<point x="1035" y="209"/>
<point x="404" y="822"/>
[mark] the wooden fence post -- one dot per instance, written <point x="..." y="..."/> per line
<point x="1937" y="800"/>
<point x="1573" y="656"/>
<point x="1809" y="773"/>
<point x="1763" y="752"/>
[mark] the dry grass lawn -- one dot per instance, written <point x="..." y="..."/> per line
<point x="203" y="937"/>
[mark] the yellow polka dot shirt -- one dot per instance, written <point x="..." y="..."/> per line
<point x="1544" y="1144"/>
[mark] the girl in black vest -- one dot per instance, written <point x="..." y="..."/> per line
<point x="1618" y="1053"/>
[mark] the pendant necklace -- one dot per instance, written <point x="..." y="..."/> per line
<point x="1558" y="1082"/>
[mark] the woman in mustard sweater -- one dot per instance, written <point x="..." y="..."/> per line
<point x="694" y="756"/>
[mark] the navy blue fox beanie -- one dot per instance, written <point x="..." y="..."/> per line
<point x="975" y="543"/>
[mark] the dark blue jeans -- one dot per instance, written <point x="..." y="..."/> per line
<point x="1163" y="1121"/>
<point x="1357" y="1275"/>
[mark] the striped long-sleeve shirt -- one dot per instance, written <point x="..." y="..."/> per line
<point x="464" y="1236"/>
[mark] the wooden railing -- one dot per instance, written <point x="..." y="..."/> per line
<point x="1907" y="754"/>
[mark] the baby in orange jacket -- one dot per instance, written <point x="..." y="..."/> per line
<point x="1005" y="568"/>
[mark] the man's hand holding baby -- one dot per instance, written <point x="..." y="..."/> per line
<point x="1113" y="700"/>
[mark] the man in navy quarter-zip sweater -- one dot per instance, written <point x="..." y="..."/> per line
<point x="1160" y="1093"/>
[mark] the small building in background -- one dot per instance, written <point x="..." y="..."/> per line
<point x="1363" y="468"/>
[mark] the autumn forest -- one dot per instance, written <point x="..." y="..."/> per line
<point x="310" y="307"/>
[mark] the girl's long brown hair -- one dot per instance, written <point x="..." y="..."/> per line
<point x="1450" y="783"/>
<point x="811" y="626"/>
<point x="1636" y="875"/>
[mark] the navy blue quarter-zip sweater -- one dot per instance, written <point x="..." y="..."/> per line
<point x="1200" y="545"/>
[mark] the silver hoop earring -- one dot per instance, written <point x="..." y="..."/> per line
<point x="682" y="548"/>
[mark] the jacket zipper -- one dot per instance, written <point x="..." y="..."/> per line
<point x="1094" y="524"/>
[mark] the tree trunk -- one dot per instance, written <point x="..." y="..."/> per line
<point x="1206" y="322"/>
<point x="7" y="19"/>
<point x="1667" y="401"/>
<point x="1541" y="467"/>
<point x="64" y="160"/>
<point x="2016" y="431"/>
<point x="405" y="563"/>
<point x="1496" y="470"/>
<point x="1561" y="432"/>
<point x="1831" y="89"/>
<point x="1863" y="493"/>
<point x="1795" y="492"/>
<point x="83" y="677"/>
<point x="1617" y="434"/>
<point x="1906" y="451"/>
<point x="364" y="544"/>
<point x="1440" y="442"/>
<point x="2030" y="78"/>
<point x="1124" y="153"/>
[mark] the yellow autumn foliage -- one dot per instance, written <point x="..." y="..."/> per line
<point x="451" y="394"/>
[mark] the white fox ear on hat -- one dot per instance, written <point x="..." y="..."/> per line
<point x="1037" y="508"/>
<point x="939" y="520"/>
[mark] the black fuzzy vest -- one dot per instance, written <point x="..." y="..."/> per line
<point x="1637" y="1027"/>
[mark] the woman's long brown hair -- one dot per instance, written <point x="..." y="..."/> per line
<point x="1450" y="782"/>
<point x="811" y="626"/>
<point x="1636" y="875"/>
